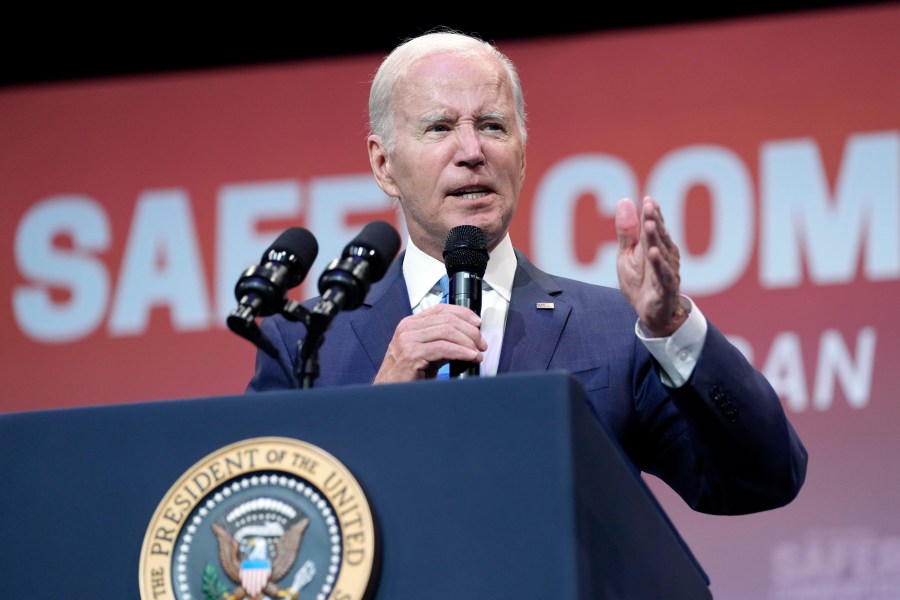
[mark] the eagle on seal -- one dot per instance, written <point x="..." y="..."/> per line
<point x="256" y="573"/>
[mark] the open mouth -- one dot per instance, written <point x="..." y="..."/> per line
<point x="472" y="194"/>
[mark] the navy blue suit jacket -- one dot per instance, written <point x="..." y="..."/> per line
<point x="722" y="441"/>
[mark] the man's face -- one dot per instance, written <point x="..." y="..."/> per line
<point x="458" y="157"/>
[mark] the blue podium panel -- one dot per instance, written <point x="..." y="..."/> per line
<point x="499" y="487"/>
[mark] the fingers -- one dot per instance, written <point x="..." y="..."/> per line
<point x="446" y="332"/>
<point x="661" y="250"/>
<point x="653" y="229"/>
<point x="425" y="341"/>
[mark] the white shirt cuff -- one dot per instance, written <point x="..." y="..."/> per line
<point x="678" y="353"/>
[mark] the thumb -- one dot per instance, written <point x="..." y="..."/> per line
<point x="627" y="224"/>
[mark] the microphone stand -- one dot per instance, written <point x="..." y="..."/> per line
<point x="317" y="322"/>
<point x="308" y="350"/>
<point x="308" y="365"/>
<point x="343" y="286"/>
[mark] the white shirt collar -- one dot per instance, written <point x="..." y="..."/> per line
<point x="422" y="271"/>
<point x="501" y="268"/>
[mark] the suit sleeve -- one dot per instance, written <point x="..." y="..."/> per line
<point x="275" y="372"/>
<point x="735" y="452"/>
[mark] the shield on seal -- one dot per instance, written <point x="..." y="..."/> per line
<point x="255" y="575"/>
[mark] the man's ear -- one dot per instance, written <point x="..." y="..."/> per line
<point x="378" y="160"/>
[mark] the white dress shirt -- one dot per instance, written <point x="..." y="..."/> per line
<point x="676" y="354"/>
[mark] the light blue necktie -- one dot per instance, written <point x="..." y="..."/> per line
<point x="444" y="372"/>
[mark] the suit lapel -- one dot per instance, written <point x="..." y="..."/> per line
<point x="375" y="328"/>
<point x="533" y="328"/>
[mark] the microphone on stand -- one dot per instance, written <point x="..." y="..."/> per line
<point x="346" y="280"/>
<point x="466" y="258"/>
<point x="343" y="286"/>
<point x="262" y="289"/>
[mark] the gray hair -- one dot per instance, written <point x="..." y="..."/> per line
<point x="381" y="111"/>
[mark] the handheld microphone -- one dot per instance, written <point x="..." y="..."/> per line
<point x="346" y="280"/>
<point x="466" y="258"/>
<point x="262" y="289"/>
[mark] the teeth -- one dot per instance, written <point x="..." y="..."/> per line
<point x="472" y="195"/>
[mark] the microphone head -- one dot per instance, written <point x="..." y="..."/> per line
<point x="379" y="242"/>
<point x="466" y="250"/>
<point x="261" y="289"/>
<point x="297" y="249"/>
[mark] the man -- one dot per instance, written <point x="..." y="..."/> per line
<point x="447" y="141"/>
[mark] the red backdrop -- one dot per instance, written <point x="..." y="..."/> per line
<point x="130" y="207"/>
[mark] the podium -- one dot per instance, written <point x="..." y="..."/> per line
<point x="499" y="487"/>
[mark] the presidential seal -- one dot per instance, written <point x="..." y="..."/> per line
<point x="261" y="519"/>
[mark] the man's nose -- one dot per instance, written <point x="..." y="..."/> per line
<point x="469" y="150"/>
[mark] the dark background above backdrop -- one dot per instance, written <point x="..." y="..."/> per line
<point x="54" y="46"/>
